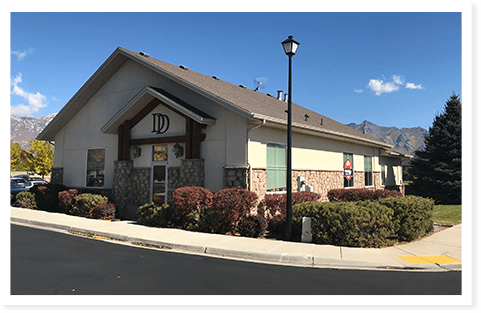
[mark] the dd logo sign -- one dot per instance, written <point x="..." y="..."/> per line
<point x="160" y="123"/>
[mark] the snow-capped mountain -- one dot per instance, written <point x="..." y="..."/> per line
<point x="25" y="129"/>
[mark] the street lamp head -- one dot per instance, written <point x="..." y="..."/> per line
<point x="290" y="46"/>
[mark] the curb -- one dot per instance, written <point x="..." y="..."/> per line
<point x="285" y="259"/>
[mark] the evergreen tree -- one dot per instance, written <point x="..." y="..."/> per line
<point x="40" y="160"/>
<point x="437" y="168"/>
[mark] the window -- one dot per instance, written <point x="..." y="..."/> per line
<point x="348" y="165"/>
<point x="368" y="171"/>
<point x="159" y="153"/>
<point x="95" y="167"/>
<point x="383" y="175"/>
<point x="276" y="167"/>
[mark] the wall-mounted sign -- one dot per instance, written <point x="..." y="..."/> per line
<point x="161" y="123"/>
<point x="348" y="169"/>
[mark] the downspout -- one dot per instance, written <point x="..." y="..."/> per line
<point x="247" y="150"/>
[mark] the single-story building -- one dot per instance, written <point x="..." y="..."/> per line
<point x="139" y="128"/>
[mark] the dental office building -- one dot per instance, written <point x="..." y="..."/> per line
<point x="140" y="128"/>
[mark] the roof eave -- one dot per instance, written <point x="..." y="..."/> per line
<point x="84" y="94"/>
<point x="325" y="132"/>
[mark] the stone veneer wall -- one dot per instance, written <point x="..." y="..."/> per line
<point x="130" y="188"/>
<point x="321" y="181"/>
<point x="236" y="176"/>
<point x="190" y="173"/>
<point x="56" y="177"/>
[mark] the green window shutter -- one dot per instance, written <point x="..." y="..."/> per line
<point x="276" y="166"/>
<point x="367" y="164"/>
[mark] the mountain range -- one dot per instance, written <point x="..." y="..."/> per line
<point x="404" y="139"/>
<point x="25" y="129"/>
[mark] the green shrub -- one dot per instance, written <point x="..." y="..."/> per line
<point x="85" y="202"/>
<point x="158" y="215"/>
<point x="208" y="220"/>
<point x="364" y="224"/>
<point x="25" y="200"/>
<point x="412" y="216"/>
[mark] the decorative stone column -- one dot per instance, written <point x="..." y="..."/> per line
<point x="122" y="189"/>
<point x="56" y="177"/>
<point x="236" y="176"/>
<point x="190" y="173"/>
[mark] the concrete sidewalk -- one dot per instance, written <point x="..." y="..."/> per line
<point x="438" y="252"/>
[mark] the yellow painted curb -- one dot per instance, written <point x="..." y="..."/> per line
<point x="429" y="259"/>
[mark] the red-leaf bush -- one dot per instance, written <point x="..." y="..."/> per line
<point x="190" y="199"/>
<point x="104" y="211"/>
<point x="67" y="198"/>
<point x="234" y="204"/>
<point x="360" y="194"/>
<point x="46" y="197"/>
<point x="252" y="226"/>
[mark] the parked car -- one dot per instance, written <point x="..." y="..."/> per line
<point x="19" y="181"/>
<point x="37" y="182"/>
<point x="15" y="189"/>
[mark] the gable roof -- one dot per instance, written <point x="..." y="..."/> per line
<point x="251" y="104"/>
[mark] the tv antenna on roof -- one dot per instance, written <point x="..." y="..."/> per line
<point x="260" y="83"/>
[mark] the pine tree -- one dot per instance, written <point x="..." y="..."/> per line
<point x="41" y="157"/>
<point x="437" y="168"/>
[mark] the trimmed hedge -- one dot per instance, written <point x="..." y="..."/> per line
<point x="158" y="215"/>
<point x="275" y="206"/>
<point x="364" y="224"/>
<point x="360" y="194"/>
<point x="367" y="223"/>
<point x="412" y="216"/>
<point x="66" y="199"/>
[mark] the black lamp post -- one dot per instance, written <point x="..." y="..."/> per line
<point x="290" y="48"/>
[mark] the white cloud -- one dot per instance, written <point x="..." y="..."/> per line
<point x="22" y="54"/>
<point x="398" y="80"/>
<point x="379" y="86"/>
<point x="35" y="101"/>
<point x="358" y="90"/>
<point x="413" y="86"/>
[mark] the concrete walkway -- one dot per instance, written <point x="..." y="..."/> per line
<point x="438" y="252"/>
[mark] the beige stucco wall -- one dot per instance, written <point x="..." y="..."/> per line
<point x="394" y="170"/>
<point x="225" y="143"/>
<point x="308" y="152"/>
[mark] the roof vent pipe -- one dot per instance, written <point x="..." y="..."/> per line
<point x="279" y="95"/>
<point x="285" y="97"/>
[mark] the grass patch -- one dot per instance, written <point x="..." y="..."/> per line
<point x="447" y="214"/>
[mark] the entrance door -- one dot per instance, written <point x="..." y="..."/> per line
<point x="159" y="183"/>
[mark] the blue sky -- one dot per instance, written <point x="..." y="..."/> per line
<point x="393" y="69"/>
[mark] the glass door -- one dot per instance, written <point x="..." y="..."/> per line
<point x="159" y="184"/>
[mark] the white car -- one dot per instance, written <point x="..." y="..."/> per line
<point x="32" y="183"/>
